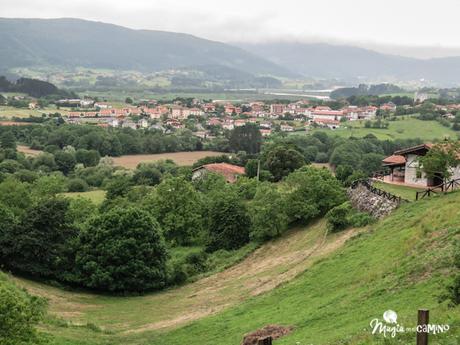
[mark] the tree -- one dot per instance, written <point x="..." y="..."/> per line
<point x="246" y="138"/>
<point x="311" y="193"/>
<point x="251" y="168"/>
<point x="268" y="213"/>
<point x="177" y="206"/>
<point x="440" y="160"/>
<point x="8" y="140"/>
<point x="147" y="174"/>
<point x="282" y="160"/>
<point x="129" y="100"/>
<point x="20" y="314"/>
<point x="89" y="158"/>
<point x="228" y="221"/>
<point x="118" y="186"/>
<point x="15" y="194"/>
<point x="121" y="251"/>
<point x="65" y="161"/>
<point x="42" y="241"/>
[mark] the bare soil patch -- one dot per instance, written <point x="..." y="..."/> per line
<point x="180" y="158"/>
<point x="274" y="331"/>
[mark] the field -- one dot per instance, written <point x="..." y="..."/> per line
<point x="327" y="288"/>
<point x="181" y="158"/>
<point x="28" y="151"/>
<point x="401" y="129"/>
<point x="268" y="267"/>
<point x="96" y="196"/>
<point x="9" y="112"/>
<point x="405" y="192"/>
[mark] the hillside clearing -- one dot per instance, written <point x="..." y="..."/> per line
<point x="96" y="196"/>
<point x="405" y="128"/>
<point x="180" y="158"/>
<point x="268" y="267"/>
<point x="404" y="192"/>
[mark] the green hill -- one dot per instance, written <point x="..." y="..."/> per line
<point x="80" y="43"/>
<point x="328" y="290"/>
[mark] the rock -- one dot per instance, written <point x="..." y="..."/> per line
<point x="364" y="200"/>
<point x="274" y="331"/>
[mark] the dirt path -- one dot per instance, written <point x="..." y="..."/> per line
<point x="269" y="266"/>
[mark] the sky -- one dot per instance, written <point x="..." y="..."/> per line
<point x="422" y="28"/>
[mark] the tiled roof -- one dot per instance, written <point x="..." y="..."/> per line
<point x="394" y="160"/>
<point x="229" y="171"/>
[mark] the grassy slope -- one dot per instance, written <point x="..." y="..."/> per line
<point x="401" y="264"/>
<point x="134" y="320"/>
<point x="401" y="129"/>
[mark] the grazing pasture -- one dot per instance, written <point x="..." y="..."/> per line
<point x="406" y="128"/>
<point x="96" y="196"/>
<point x="180" y="158"/>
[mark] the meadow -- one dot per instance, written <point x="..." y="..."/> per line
<point x="96" y="196"/>
<point x="405" y="128"/>
<point x="327" y="288"/>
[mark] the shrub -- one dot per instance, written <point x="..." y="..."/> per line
<point x="344" y="215"/>
<point x="122" y="250"/>
<point x="77" y="185"/>
<point x="20" y="313"/>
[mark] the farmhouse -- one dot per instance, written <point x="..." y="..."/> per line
<point x="229" y="171"/>
<point x="404" y="167"/>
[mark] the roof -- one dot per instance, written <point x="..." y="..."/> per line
<point x="394" y="160"/>
<point x="414" y="149"/>
<point x="229" y="171"/>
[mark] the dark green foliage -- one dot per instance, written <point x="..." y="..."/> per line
<point x="88" y="158"/>
<point x="252" y="167"/>
<point x="147" y="174"/>
<point x="268" y="213"/>
<point x="246" y="138"/>
<point x="77" y="185"/>
<point x="311" y="193"/>
<point x="65" y="161"/>
<point x="282" y="160"/>
<point x="8" y="140"/>
<point x="343" y="216"/>
<point x="177" y="206"/>
<point x="118" y="186"/>
<point x="40" y="244"/>
<point x="20" y="314"/>
<point x="228" y="221"/>
<point x="122" y="250"/>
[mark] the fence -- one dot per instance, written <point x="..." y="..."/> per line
<point x="442" y="188"/>
<point x="380" y="192"/>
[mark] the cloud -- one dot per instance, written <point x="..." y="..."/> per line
<point x="390" y="22"/>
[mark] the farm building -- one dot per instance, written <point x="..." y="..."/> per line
<point x="404" y="168"/>
<point x="229" y="171"/>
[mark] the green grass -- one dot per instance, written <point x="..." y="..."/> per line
<point x="405" y="128"/>
<point x="96" y="196"/>
<point x="405" y="192"/>
<point x="401" y="263"/>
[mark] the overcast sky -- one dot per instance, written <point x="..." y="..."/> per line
<point x="363" y="22"/>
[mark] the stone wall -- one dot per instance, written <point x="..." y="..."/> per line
<point x="365" y="201"/>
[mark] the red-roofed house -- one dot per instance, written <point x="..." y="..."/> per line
<point x="229" y="171"/>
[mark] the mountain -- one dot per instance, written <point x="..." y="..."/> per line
<point x="81" y="43"/>
<point x="320" y="60"/>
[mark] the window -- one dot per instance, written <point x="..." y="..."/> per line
<point x="418" y="174"/>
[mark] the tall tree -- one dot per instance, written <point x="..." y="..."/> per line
<point x="122" y="250"/>
<point x="8" y="140"/>
<point x="246" y="138"/>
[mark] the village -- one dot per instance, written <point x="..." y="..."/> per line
<point x="290" y="117"/>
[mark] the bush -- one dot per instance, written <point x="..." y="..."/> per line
<point x="122" y="250"/>
<point x="228" y="221"/>
<point x="20" y="314"/>
<point x="77" y="185"/>
<point x="344" y="215"/>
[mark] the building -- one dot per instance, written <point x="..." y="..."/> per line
<point x="277" y="109"/>
<point x="229" y="171"/>
<point x="404" y="168"/>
